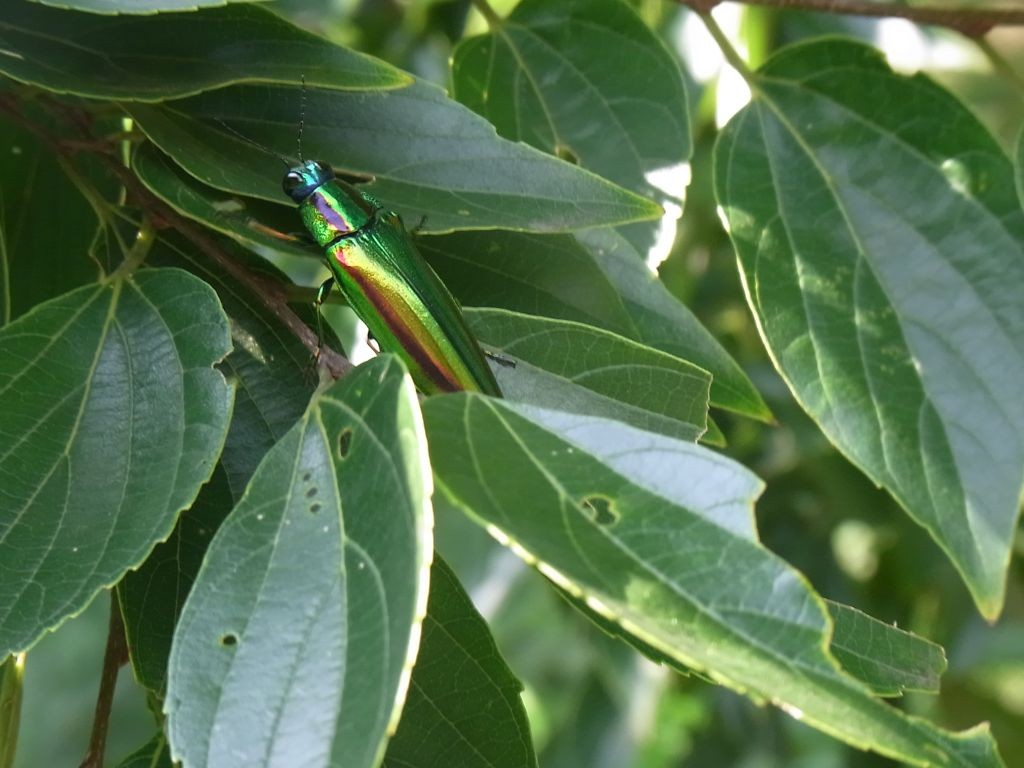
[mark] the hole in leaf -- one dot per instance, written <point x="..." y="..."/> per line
<point x="564" y="153"/>
<point x="311" y="492"/>
<point x="314" y="507"/>
<point x="229" y="640"/>
<point x="307" y="477"/>
<point x="600" y="510"/>
<point x="344" y="443"/>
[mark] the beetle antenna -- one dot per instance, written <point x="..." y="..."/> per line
<point x="253" y="142"/>
<point x="302" y="113"/>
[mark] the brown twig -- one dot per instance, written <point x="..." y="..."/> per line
<point x="114" y="658"/>
<point x="972" y="23"/>
<point x="271" y="294"/>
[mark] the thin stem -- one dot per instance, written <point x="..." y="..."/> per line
<point x="492" y="17"/>
<point x="144" y="241"/>
<point x="973" y="23"/>
<point x="12" y="673"/>
<point x="114" y="658"/>
<point x="731" y="54"/>
<point x="1000" y="64"/>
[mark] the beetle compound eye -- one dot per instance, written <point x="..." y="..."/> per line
<point x="292" y="181"/>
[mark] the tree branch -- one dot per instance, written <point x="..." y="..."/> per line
<point x="274" y="296"/>
<point x="973" y="23"/>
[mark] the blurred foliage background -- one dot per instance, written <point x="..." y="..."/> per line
<point x="592" y="701"/>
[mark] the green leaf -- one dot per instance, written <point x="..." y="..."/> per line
<point x="665" y="323"/>
<point x="463" y="707"/>
<point x="887" y="659"/>
<point x="271" y="367"/>
<point x="296" y="642"/>
<point x="426" y="155"/>
<point x="12" y="674"/>
<point x="605" y="284"/>
<point x="537" y="77"/>
<point x="250" y="221"/>
<point x="136" y="6"/>
<point x="153" y="754"/>
<point x="165" y="56"/>
<point x="584" y="370"/>
<point x="657" y="535"/>
<point x="880" y="241"/>
<point x="111" y="417"/>
<point x="32" y="186"/>
<point x="1018" y="159"/>
<point x="151" y="597"/>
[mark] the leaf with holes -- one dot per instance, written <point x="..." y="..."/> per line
<point x="463" y="707"/>
<point x="111" y="417"/>
<point x="295" y="644"/>
<point x="164" y="56"/>
<point x="882" y="249"/>
<point x="657" y="535"/>
<point x="581" y="369"/>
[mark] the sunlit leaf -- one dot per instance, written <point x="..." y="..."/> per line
<point x="111" y="417"/>
<point x="882" y="249"/>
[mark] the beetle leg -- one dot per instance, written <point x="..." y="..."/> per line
<point x="321" y="296"/>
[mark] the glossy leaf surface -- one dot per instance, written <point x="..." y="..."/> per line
<point x="164" y="56"/>
<point x="151" y="597"/>
<point x="295" y="644"/>
<point x="250" y="221"/>
<point x="463" y="707"/>
<point x="584" y="370"/>
<point x="111" y="417"/>
<point x="657" y="535"/>
<point x="604" y="284"/>
<point x="882" y="249"/>
<point x="426" y="155"/>
<point x="622" y="114"/>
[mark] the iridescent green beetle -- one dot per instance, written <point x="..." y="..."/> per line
<point x="387" y="283"/>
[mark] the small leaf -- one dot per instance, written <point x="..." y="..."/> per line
<point x="295" y="644"/>
<point x="111" y="417"/>
<point x="463" y="707"/>
<point x="887" y="659"/>
<point x="604" y="284"/>
<point x="675" y="560"/>
<point x="584" y="370"/>
<point x="155" y="57"/>
<point x="426" y="155"/>
<point x="882" y="249"/>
